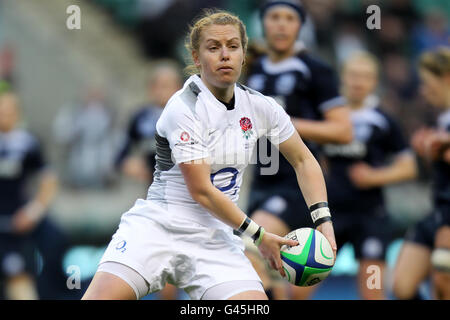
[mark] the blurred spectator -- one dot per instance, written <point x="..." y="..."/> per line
<point x="22" y="215"/>
<point x="163" y="23"/>
<point x="86" y="131"/>
<point x="322" y="15"/>
<point x="7" y="64"/>
<point x="434" y="32"/>
<point x="348" y="40"/>
<point x="164" y="81"/>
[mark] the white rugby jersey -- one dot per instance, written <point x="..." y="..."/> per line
<point x="195" y="125"/>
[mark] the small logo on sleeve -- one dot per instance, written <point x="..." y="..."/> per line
<point x="184" y="136"/>
<point x="121" y="246"/>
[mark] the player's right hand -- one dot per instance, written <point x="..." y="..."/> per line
<point x="270" y="250"/>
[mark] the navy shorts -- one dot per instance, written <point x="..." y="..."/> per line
<point x="17" y="255"/>
<point x="369" y="232"/>
<point x="424" y="231"/>
<point x="287" y="204"/>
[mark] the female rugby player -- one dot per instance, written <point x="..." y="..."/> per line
<point x="183" y="232"/>
<point x="427" y="245"/>
<point x="357" y="172"/>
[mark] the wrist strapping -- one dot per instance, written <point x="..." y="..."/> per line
<point x="320" y="213"/>
<point x="251" y="229"/>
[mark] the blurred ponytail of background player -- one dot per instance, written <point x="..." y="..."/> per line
<point x="165" y="79"/>
<point x="307" y="89"/>
<point x="427" y="245"/>
<point x="357" y="172"/>
<point x="24" y="226"/>
<point x="136" y="158"/>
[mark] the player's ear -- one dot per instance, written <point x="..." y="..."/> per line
<point x="195" y="58"/>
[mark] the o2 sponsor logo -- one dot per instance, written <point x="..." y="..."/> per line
<point x="121" y="246"/>
<point x="234" y="172"/>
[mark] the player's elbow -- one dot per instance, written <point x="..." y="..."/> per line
<point x="201" y="194"/>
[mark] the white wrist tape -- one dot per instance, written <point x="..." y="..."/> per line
<point x="319" y="210"/>
<point x="248" y="227"/>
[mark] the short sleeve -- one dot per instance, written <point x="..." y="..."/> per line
<point x="394" y="140"/>
<point x="325" y="87"/>
<point x="34" y="160"/>
<point x="131" y="138"/>
<point x="187" y="137"/>
<point x="281" y="127"/>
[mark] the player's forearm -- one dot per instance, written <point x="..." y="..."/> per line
<point x="402" y="169"/>
<point x="311" y="181"/>
<point x="220" y="206"/>
<point x="323" y="131"/>
<point x="47" y="190"/>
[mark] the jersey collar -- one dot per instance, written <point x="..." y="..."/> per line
<point x="199" y="82"/>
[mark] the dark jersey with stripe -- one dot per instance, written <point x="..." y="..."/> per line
<point x="141" y="134"/>
<point x="441" y="169"/>
<point x="20" y="158"/>
<point x="377" y="138"/>
<point x="306" y="88"/>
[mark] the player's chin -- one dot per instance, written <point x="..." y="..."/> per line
<point x="282" y="46"/>
<point x="227" y="79"/>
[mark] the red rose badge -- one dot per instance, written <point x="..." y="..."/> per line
<point x="246" y="126"/>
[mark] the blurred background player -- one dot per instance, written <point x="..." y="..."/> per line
<point x="86" y="131"/>
<point x="21" y="159"/>
<point x="427" y="245"/>
<point x="165" y="80"/>
<point x="357" y="172"/>
<point x="308" y="91"/>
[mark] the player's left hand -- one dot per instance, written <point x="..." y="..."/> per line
<point x="26" y="218"/>
<point x="327" y="230"/>
<point x="362" y="175"/>
<point x="436" y="143"/>
<point x="22" y="223"/>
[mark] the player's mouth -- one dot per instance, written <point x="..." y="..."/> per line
<point x="281" y="37"/>
<point x="225" y="68"/>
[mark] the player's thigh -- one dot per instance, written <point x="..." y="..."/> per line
<point x="442" y="238"/>
<point x="21" y="287"/>
<point x="270" y="222"/>
<point x="236" y="290"/>
<point x="106" y="286"/>
<point x="249" y="295"/>
<point x="370" y="279"/>
<point x="411" y="268"/>
<point x="441" y="274"/>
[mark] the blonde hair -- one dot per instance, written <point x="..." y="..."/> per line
<point x="365" y="57"/>
<point x="211" y="17"/>
<point x="436" y="61"/>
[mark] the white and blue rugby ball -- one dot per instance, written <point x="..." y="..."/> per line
<point x="311" y="261"/>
